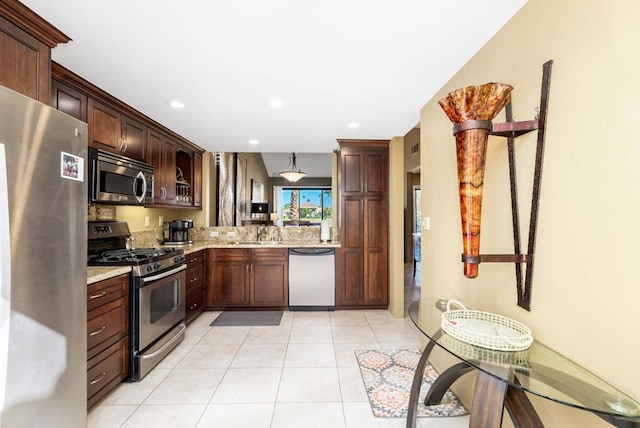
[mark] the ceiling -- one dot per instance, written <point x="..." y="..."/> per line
<point x="329" y="63"/>
<point x="314" y="164"/>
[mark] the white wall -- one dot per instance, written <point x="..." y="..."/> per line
<point x="586" y="289"/>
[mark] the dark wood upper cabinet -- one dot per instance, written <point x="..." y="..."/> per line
<point x="69" y="100"/>
<point x="161" y="153"/>
<point x="116" y="127"/>
<point x="105" y="130"/>
<point x="167" y="169"/>
<point x="154" y="157"/>
<point x="26" y="41"/>
<point x="364" y="168"/>
<point x="197" y="179"/>
<point x="134" y="138"/>
<point x="111" y="130"/>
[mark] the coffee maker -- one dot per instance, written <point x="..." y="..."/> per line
<point x="176" y="232"/>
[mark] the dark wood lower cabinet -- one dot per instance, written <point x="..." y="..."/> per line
<point x="247" y="278"/>
<point x="228" y="285"/>
<point x="269" y="283"/>
<point x="106" y="370"/>
<point x="195" y="284"/>
<point x="107" y="336"/>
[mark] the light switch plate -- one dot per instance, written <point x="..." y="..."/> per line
<point x="426" y="223"/>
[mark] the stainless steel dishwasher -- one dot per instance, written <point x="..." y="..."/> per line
<point x="312" y="279"/>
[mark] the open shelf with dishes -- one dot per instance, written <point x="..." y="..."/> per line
<point x="184" y="177"/>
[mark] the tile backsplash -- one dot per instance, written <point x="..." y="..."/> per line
<point x="226" y="234"/>
<point x="216" y="235"/>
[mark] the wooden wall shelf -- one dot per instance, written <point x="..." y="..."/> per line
<point x="514" y="129"/>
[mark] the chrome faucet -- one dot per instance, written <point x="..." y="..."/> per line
<point x="263" y="232"/>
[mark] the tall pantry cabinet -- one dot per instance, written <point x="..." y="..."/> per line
<point x="362" y="261"/>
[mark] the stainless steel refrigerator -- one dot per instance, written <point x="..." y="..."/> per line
<point x="43" y="250"/>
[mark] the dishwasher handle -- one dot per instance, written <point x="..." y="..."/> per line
<point x="311" y="251"/>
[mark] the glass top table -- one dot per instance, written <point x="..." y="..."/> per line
<point x="504" y="376"/>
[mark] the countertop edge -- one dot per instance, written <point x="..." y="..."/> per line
<point x="96" y="274"/>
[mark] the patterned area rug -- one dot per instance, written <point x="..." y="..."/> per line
<point x="388" y="375"/>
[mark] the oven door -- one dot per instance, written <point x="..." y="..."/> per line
<point x="161" y="304"/>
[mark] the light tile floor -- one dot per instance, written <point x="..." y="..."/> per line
<point x="302" y="373"/>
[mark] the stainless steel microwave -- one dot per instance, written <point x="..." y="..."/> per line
<point x="115" y="179"/>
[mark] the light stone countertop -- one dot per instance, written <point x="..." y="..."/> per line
<point x="95" y="274"/>
<point x="197" y="246"/>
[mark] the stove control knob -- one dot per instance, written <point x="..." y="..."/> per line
<point x="157" y="265"/>
<point x="178" y="259"/>
<point x="149" y="268"/>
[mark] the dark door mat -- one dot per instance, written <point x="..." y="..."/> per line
<point x="247" y="318"/>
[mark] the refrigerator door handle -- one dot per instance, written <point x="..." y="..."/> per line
<point x="5" y="276"/>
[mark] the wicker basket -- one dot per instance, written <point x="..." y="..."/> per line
<point x="485" y="329"/>
<point x="476" y="353"/>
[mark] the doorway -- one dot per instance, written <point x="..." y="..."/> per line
<point x="412" y="271"/>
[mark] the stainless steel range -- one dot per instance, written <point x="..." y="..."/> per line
<point x="157" y="296"/>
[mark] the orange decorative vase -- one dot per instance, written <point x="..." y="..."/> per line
<point x="471" y="110"/>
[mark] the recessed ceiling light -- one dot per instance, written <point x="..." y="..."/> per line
<point x="254" y="142"/>
<point x="354" y="125"/>
<point x="176" y="104"/>
<point x="276" y="103"/>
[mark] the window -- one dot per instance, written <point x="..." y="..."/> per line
<point x="306" y="204"/>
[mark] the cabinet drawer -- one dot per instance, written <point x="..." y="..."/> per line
<point x="107" y="291"/>
<point x="231" y="254"/>
<point x="106" y="370"/>
<point x="270" y="253"/>
<point x="107" y="324"/>
<point x="195" y="259"/>
<point x="194" y="304"/>
<point x="195" y="278"/>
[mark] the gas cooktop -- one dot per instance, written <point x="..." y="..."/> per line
<point x="107" y="246"/>
<point x="119" y="257"/>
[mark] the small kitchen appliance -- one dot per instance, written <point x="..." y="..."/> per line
<point x="116" y="179"/>
<point x="157" y="294"/>
<point x="176" y="232"/>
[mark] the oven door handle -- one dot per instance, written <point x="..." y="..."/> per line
<point x="183" y="326"/>
<point x="146" y="279"/>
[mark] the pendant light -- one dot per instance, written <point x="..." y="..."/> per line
<point x="292" y="173"/>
